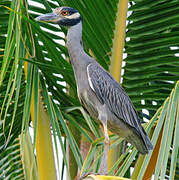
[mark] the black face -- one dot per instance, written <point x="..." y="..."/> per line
<point x="64" y="16"/>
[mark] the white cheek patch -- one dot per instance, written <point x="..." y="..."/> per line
<point x="73" y="16"/>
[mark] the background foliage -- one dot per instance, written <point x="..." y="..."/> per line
<point x="150" y="74"/>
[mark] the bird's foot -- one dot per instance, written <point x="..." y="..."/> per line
<point x="87" y="174"/>
<point x="103" y="169"/>
<point x="104" y="162"/>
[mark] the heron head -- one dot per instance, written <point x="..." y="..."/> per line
<point x="64" y="16"/>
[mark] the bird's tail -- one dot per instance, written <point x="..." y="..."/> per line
<point x="140" y="141"/>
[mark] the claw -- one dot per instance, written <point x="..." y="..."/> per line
<point x="87" y="174"/>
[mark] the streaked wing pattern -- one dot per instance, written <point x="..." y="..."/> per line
<point x="109" y="92"/>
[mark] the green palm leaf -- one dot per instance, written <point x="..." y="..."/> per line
<point x="10" y="164"/>
<point x="151" y="63"/>
<point x="150" y="74"/>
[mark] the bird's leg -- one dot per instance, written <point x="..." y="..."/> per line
<point x="103" y="168"/>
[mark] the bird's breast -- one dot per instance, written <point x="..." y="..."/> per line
<point x="87" y="100"/>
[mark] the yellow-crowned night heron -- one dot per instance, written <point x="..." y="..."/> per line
<point x="99" y="93"/>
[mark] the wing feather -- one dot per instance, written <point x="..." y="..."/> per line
<point x="109" y="92"/>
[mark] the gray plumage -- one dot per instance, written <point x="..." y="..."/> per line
<point x="99" y="93"/>
<point x="109" y="92"/>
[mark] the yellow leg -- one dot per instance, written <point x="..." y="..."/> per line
<point x="103" y="167"/>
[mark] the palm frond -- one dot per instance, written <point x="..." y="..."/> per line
<point x="11" y="165"/>
<point x="150" y="73"/>
<point x="151" y="68"/>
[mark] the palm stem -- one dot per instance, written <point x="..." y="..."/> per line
<point x="119" y="39"/>
<point x="101" y="177"/>
<point x="73" y="166"/>
<point x="44" y="149"/>
<point x="116" y="61"/>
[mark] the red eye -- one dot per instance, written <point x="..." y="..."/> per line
<point x="64" y="13"/>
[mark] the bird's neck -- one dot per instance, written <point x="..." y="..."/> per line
<point x="74" y="40"/>
<point x="78" y="58"/>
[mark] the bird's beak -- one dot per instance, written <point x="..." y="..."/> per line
<point x="50" y="17"/>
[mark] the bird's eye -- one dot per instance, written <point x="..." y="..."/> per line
<point x="64" y="13"/>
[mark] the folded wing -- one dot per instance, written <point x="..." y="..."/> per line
<point x="109" y="92"/>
